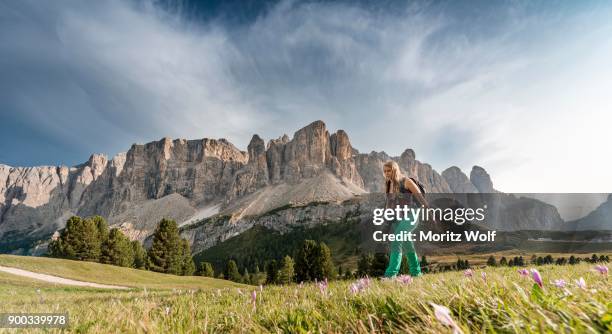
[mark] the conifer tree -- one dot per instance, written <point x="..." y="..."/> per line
<point x="117" y="250"/>
<point x="231" y="271"/>
<point x="166" y="253"/>
<point x="287" y="272"/>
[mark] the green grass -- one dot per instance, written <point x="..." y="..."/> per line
<point x="107" y="274"/>
<point x="504" y="303"/>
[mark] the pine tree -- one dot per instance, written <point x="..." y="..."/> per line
<point x="206" y="269"/>
<point x="165" y="254"/>
<point x="271" y="272"/>
<point x="305" y="261"/>
<point x="324" y="266"/>
<point x="231" y="272"/>
<point x="364" y="266"/>
<point x="187" y="265"/>
<point x="491" y="261"/>
<point x="503" y="261"/>
<point x="140" y="255"/>
<point x="102" y="227"/>
<point x="245" y="275"/>
<point x="379" y="264"/>
<point x="424" y="264"/>
<point x="79" y="240"/>
<point x="117" y="250"/>
<point x="287" y="272"/>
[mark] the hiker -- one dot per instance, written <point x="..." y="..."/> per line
<point x="402" y="190"/>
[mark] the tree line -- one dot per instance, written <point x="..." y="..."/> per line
<point x="90" y="239"/>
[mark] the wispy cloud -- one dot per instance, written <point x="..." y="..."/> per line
<point x="519" y="90"/>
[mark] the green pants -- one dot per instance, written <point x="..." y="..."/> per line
<point x="398" y="248"/>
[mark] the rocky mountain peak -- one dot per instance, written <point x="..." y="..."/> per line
<point x="481" y="180"/>
<point x="458" y="181"/>
<point x="256" y="147"/>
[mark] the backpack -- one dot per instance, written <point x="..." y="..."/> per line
<point x="419" y="184"/>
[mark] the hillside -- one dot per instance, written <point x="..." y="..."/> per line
<point x="113" y="275"/>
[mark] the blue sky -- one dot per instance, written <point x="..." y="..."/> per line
<point x="520" y="88"/>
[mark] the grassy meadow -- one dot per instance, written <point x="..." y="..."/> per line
<point x="504" y="301"/>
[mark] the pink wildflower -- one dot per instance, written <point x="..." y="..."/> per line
<point x="443" y="315"/>
<point x="406" y="279"/>
<point x="602" y="269"/>
<point x="535" y="274"/>
<point x="581" y="283"/>
<point x="468" y="273"/>
<point x="560" y="283"/>
<point x="254" y="297"/>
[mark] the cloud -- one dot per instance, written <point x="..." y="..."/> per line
<point x="500" y="87"/>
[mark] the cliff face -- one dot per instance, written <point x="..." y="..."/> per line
<point x="180" y="179"/>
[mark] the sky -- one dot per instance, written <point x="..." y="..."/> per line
<point x="522" y="89"/>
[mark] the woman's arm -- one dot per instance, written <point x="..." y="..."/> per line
<point x="416" y="191"/>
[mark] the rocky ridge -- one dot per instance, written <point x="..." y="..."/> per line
<point x="177" y="178"/>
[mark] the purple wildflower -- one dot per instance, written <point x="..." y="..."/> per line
<point x="560" y="283"/>
<point x="484" y="276"/>
<point x="535" y="274"/>
<point x="581" y="283"/>
<point x="468" y="273"/>
<point x="523" y="272"/>
<point x="443" y="315"/>
<point x="602" y="269"/>
<point x="323" y="287"/>
<point x="254" y="298"/>
<point x="406" y="279"/>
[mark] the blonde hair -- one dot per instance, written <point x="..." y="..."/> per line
<point x="392" y="184"/>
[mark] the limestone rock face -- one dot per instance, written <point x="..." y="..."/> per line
<point x="371" y="166"/>
<point x="481" y="180"/>
<point x="35" y="201"/>
<point x="178" y="178"/>
<point x="457" y="181"/>
<point x="311" y="152"/>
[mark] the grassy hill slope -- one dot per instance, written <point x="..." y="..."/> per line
<point x="107" y="274"/>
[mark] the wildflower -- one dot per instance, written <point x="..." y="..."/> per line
<point x="323" y="287"/>
<point x="443" y="315"/>
<point x="535" y="274"/>
<point x="406" y="279"/>
<point x="167" y="310"/>
<point x="254" y="297"/>
<point x="523" y="272"/>
<point x="260" y="288"/>
<point x="581" y="283"/>
<point x="360" y="285"/>
<point x="559" y="283"/>
<point x="602" y="269"/>
<point x="484" y="276"/>
<point x="468" y="273"/>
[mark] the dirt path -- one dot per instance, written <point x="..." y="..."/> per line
<point x="56" y="279"/>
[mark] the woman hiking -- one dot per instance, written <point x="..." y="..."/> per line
<point x="402" y="190"/>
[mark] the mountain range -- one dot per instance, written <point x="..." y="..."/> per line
<point x="315" y="175"/>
